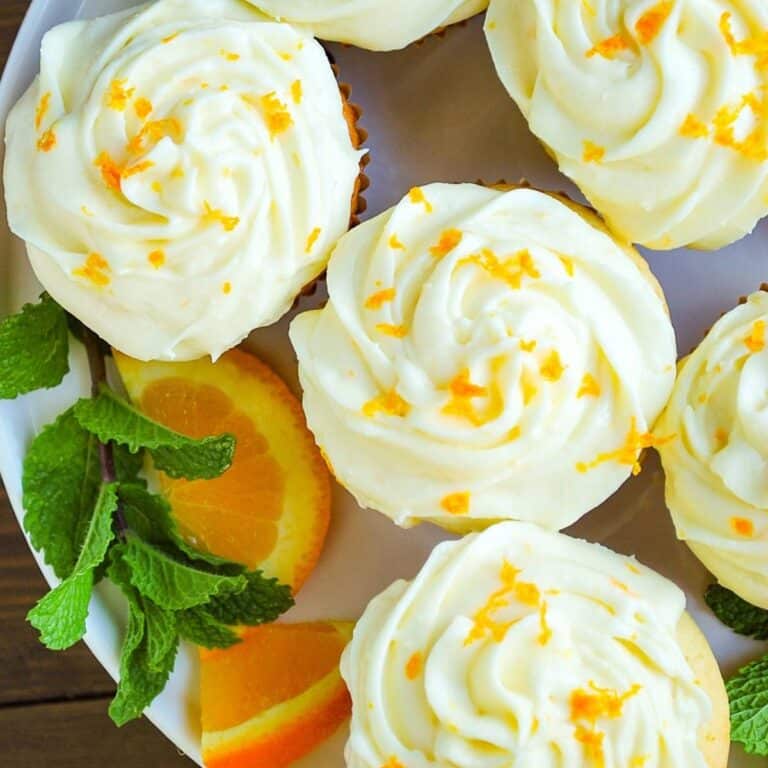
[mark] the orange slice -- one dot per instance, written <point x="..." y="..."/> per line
<point x="274" y="697"/>
<point x="271" y="509"/>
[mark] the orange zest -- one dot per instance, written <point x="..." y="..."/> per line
<point x="511" y="270"/>
<point x="389" y="403"/>
<point x="609" y="47"/>
<point x="275" y="696"/>
<point x="42" y="110"/>
<point x="755" y="342"/>
<point x="651" y="22"/>
<point x="456" y="503"/>
<point x="448" y="241"/>
<point x="95" y="270"/>
<point x="378" y="299"/>
<point x="271" y="509"/>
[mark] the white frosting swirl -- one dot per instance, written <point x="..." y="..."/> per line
<point x="379" y="25"/>
<point x="655" y="108"/>
<point x="179" y="171"/>
<point x="717" y="472"/>
<point x="484" y="355"/>
<point x="526" y="648"/>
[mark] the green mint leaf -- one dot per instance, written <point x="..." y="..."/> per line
<point x="60" y="615"/>
<point x="198" y="626"/>
<point x="748" y="694"/>
<point x="738" y="614"/>
<point x="263" y="600"/>
<point x="110" y="417"/>
<point x="61" y="481"/>
<point x="173" y="581"/>
<point x="148" y="654"/>
<point x="150" y="517"/>
<point x="34" y="348"/>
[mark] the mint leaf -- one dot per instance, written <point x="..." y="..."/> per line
<point x="150" y="517"/>
<point x="61" y="481"/>
<point x="60" y="616"/>
<point x="263" y="600"/>
<point x="148" y="654"/>
<point x="748" y="694"/>
<point x="34" y="348"/>
<point x="161" y="634"/>
<point x="172" y="581"/>
<point x="738" y="614"/>
<point x="110" y="417"/>
<point x="198" y="626"/>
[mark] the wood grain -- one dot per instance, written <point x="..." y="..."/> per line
<point x="53" y="705"/>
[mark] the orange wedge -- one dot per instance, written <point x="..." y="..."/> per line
<point x="274" y="697"/>
<point x="271" y="509"/>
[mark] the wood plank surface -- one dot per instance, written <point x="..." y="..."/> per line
<point x="53" y="705"/>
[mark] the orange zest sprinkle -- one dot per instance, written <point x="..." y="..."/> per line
<point x="226" y="288"/>
<point x="514" y="434"/>
<point x="552" y="368"/>
<point x="751" y="46"/>
<point x="596" y="703"/>
<point x="592" y="742"/>
<point x="118" y="96"/>
<point x="743" y="527"/>
<point x="215" y="216"/>
<point x="567" y="264"/>
<point x="462" y="392"/>
<point x="527" y="346"/>
<point x="416" y="196"/>
<point x="448" y="241"/>
<point x="389" y="403"/>
<point x="296" y="91"/>
<point x="156" y="258"/>
<point x="456" y="503"/>
<point x="638" y="761"/>
<point x="154" y="132"/>
<point x="312" y="239"/>
<point x="628" y="454"/>
<point x="275" y="112"/>
<point x="170" y="38"/>
<point x="47" y="141"/>
<point x="721" y="436"/>
<point x="546" y="631"/>
<point x="650" y="23"/>
<point x="755" y="342"/>
<point x="395" y="244"/>
<point x="285" y="56"/>
<point x="609" y="47"/>
<point x="390" y="329"/>
<point x="589" y="387"/>
<point x="144" y="165"/>
<point x="111" y="172"/>
<point x="378" y="299"/>
<point x="511" y="270"/>
<point x="229" y="55"/>
<point x="530" y="390"/>
<point x="393" y="762"/>
<point x="143" y="108"/>
<point x="157" y="187"/>
<point x="593" y="153"/>
<point x="693" y="128"/>
<point x="42" y="110"/>
<point x="414" y="666"/>
<point x="94" y="269"/>
<point x="754" y="145"/>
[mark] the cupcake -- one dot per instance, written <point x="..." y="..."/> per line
<point x="716" y="470"/>
<point x="179" y="172"/>
<point x="485" y="354"/>
<point x="655" y="108"/>
<point x="523" y="647"/>
<point x="379" y="25"/>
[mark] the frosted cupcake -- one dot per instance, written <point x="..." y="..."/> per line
<point x="717" y="471"/>
<point x="179" y="172"/>
<point x="379" y="25"/>
<point x="485" y="354"/>
<point x="655" y="108"/>
<point x="527" y="648"/>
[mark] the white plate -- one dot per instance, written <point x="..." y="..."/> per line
<point x="435" y="112"/>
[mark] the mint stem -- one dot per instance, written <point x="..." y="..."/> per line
<point x="98" y="369"/>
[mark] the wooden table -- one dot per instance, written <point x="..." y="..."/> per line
<point x="53" y="706"/>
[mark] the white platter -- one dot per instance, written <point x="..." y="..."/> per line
<point x="435" y="112"/>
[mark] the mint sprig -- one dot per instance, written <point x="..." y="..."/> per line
<point x="91" y="513"/>
<point x="748" y="696"/>
<point x="34" y="348"/>
<point x="738" y="614"/>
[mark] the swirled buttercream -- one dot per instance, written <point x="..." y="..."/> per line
<point x="485" y="354"/>
<point x="657" y="109"/>
<point x="522" y="647"/>
<point x="179" y="172"/>
<point x="379" y="25"/>
<point x="717" y="472"/>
